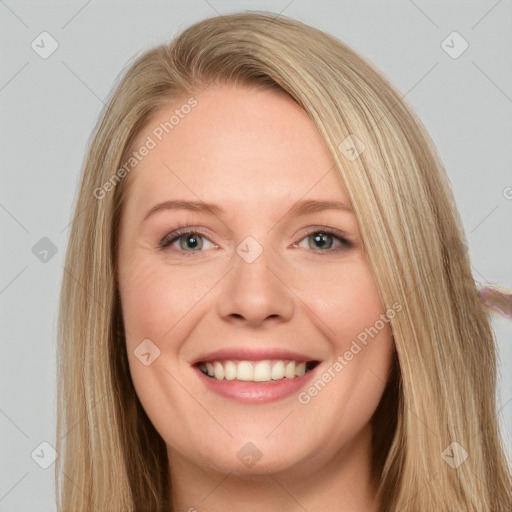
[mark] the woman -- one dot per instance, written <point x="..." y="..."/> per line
<point x="268" y="299"/>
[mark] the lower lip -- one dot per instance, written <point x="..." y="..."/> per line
<point x="256" y="392"/>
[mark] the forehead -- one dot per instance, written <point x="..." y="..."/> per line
<point x="236" y="145"/>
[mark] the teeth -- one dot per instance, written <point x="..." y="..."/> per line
<point x="244" y="371"/>
<point x="262" y="371"/>
<point x="278" y="370"/>
<point x="289" y="370"/>
<point x="218" y="371"/>
<point x="230" y="370"/>
<point x="254" y="371"/>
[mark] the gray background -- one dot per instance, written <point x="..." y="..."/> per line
<point x="50" y="106"/>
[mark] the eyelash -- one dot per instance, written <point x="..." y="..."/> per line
<point x="170" y="238"/>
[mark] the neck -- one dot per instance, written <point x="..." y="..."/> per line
<point x="339" y="481"/>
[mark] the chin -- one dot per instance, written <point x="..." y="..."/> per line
<point x="254" y="459"/>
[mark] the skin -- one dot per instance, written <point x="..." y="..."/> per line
<point x="254" y="153"/>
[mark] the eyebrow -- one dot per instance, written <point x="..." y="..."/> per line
<point x="302" y="207"/>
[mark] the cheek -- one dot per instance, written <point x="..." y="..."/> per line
<point x="156" y="296"/>
<point x="363" y="336"/>
<point x="346" y="300"/>
<point x="157" y="303"/>
<point x="354" y="321"/>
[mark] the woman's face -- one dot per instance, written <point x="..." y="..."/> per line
<point x="263" y="282"/>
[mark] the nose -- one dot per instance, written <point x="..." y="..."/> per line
<point x="256" y="292"/>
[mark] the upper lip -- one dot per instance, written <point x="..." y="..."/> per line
<point x="252" y="354"/>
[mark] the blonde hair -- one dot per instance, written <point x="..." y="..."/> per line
<point x="444" y="384"/>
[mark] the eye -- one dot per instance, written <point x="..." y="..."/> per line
<point x="187" y="239"/>
<point x="322" y="239"/>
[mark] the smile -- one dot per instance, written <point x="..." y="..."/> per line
<point x="256" y="371"/>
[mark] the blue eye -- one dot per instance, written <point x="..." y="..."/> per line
<point x="194" y="240"/>
<point x="322" y="236"/>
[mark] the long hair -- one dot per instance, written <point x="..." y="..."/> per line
<point x="436" y="444"/>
